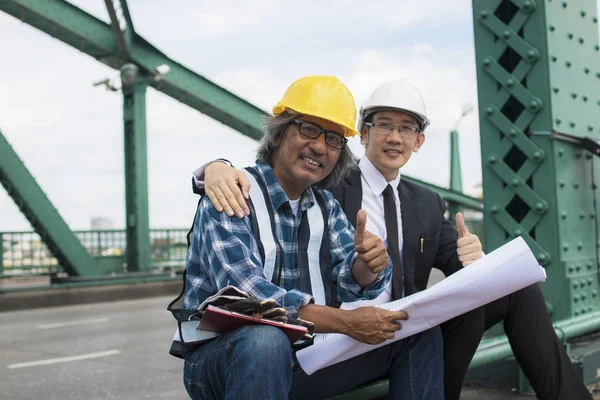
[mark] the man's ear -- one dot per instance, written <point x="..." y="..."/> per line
<point x="364" y="136"/>
<point x="420" y="141"/>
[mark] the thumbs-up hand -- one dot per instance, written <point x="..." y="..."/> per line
<point x="370" y="249"/>
<point x="468" y="245"/>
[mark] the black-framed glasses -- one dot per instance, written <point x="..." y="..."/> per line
<point x="313" y="131"/>
<point x="385" y="128"/>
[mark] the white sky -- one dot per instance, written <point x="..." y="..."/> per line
<point x="69" y="133"/>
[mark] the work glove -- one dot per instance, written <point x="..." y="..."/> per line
<point x="233" y="299"/>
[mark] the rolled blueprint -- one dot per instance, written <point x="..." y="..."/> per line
<point x="503" y="271"/>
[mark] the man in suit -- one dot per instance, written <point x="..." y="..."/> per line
<point x="392" y="124"/>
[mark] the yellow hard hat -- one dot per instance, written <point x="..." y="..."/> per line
<point x="321" y="96"/>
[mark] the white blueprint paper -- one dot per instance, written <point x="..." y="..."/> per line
<point x="509" y="268"/>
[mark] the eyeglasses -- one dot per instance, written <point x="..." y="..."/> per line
<point x="313" y="131"/>
<point x="385" y="128"/>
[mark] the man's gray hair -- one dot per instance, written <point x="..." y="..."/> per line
<point x="274" y="129"/>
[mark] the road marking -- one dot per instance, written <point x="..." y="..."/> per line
<point x="73" y="323"/>
<point x="64" y="359"/>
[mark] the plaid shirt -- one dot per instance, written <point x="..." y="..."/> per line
<point x="223" y="252"/>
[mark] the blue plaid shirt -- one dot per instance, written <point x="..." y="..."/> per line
<point x="223" y="252"/>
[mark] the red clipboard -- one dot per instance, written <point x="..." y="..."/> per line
<point x="220" y="321"/>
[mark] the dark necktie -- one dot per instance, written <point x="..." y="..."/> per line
<point x="391" y="226"/>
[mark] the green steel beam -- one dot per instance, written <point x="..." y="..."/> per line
<point x="41" y="214"/>
<point x="450" y="195"/>
<point x="95" y="38"/>
<point x="455" y="173"/>
<point x="137" y="225"/>
<point x="121" y="25"/>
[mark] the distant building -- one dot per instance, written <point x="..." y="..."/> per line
<point x="101" y="224"/>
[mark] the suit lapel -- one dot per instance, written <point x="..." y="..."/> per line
<point x="410" y="235"/>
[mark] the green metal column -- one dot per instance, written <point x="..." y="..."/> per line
<point x="136" y="169"/>
<point x="455" y="174"/>
<point x="538" y="72"/>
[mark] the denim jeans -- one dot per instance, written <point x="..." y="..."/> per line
<point x="257" y="362"/>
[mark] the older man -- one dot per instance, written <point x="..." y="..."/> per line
<point x="311" y="257"/>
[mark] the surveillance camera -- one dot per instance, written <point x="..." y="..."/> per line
<point x="128" y="74"/>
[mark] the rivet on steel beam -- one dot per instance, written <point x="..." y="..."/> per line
<point x="594" y="186"/>
<point x="576" y="185"/>
<point x="589" y="266"/>
<point x="489" y="111"/>
<point x="597" y="48"/>
<point x="598" y="76"/>
<point x="566" y="247"/>
<point x="586" y="70"/>
<point x="534" y="105"/>
<point x="542" y="257"/>
<point x="581" y="215"/>
<point x="571" y="269"/>
<point x="576" y="298"/>
<point x="594" y="293"/>
<point x="506" y="34"/>
<point x="570" y="35"/>
<point x="532" y="55"/>
<point x="583" y="296"/>
<point x="551" y="28"/>
<point x="493" y="160"/>
<point x="486" y="62"/>
<point x="579" y="247"/>
<point x="590" y="128"/>
<point x="553" y="58"/>
<point x="595" y="20"/>
<point x="564" y="4"/>
<point x="528" y="6"/>
<point x="592" y="215"/>
<point x="583" y="310"/>
<point x="494" y="209"/>
<point x="585" y="99"/>
<point x="515" y="182"/>
<point x="518" y="232"/>
<point x="561" y="151"/>
<point x="512" y="132"/>
<point x="537" y="156"/>
<point x="484" y="14"/>
<point x="555" y="89"/>
<point x="582" y="13"/>
<point x="581" y="40"/>
<point x="572" y="124"/>
<point x="563" y="215"/>
<point x="561" y="183"/>
<point x="540" y="207"/>
<point x="558" y="120"/>
<point x="568" y="64"/>
<point x="590" y="308"/>
<point x="588" y="156"/>
<point x="574" y="95"/>
<point x="575" y="285"/>
<point x="578" y="153"/>
<point x="576" y="312"/>
<point x="510" y="82"/>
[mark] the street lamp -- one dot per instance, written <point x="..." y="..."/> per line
<point x="455" y="171"/>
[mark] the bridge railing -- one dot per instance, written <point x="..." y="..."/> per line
<point x="24" y="253"/>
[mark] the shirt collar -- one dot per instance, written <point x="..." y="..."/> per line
<point x="278" y="196"/>
<point x="374" y="178"/>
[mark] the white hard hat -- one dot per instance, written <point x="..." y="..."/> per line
<point x="397" y="95"/>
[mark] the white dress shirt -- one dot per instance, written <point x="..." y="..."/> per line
<point x="373" y="185"/>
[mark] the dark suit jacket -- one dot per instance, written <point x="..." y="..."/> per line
<point x="422" y="217"/>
